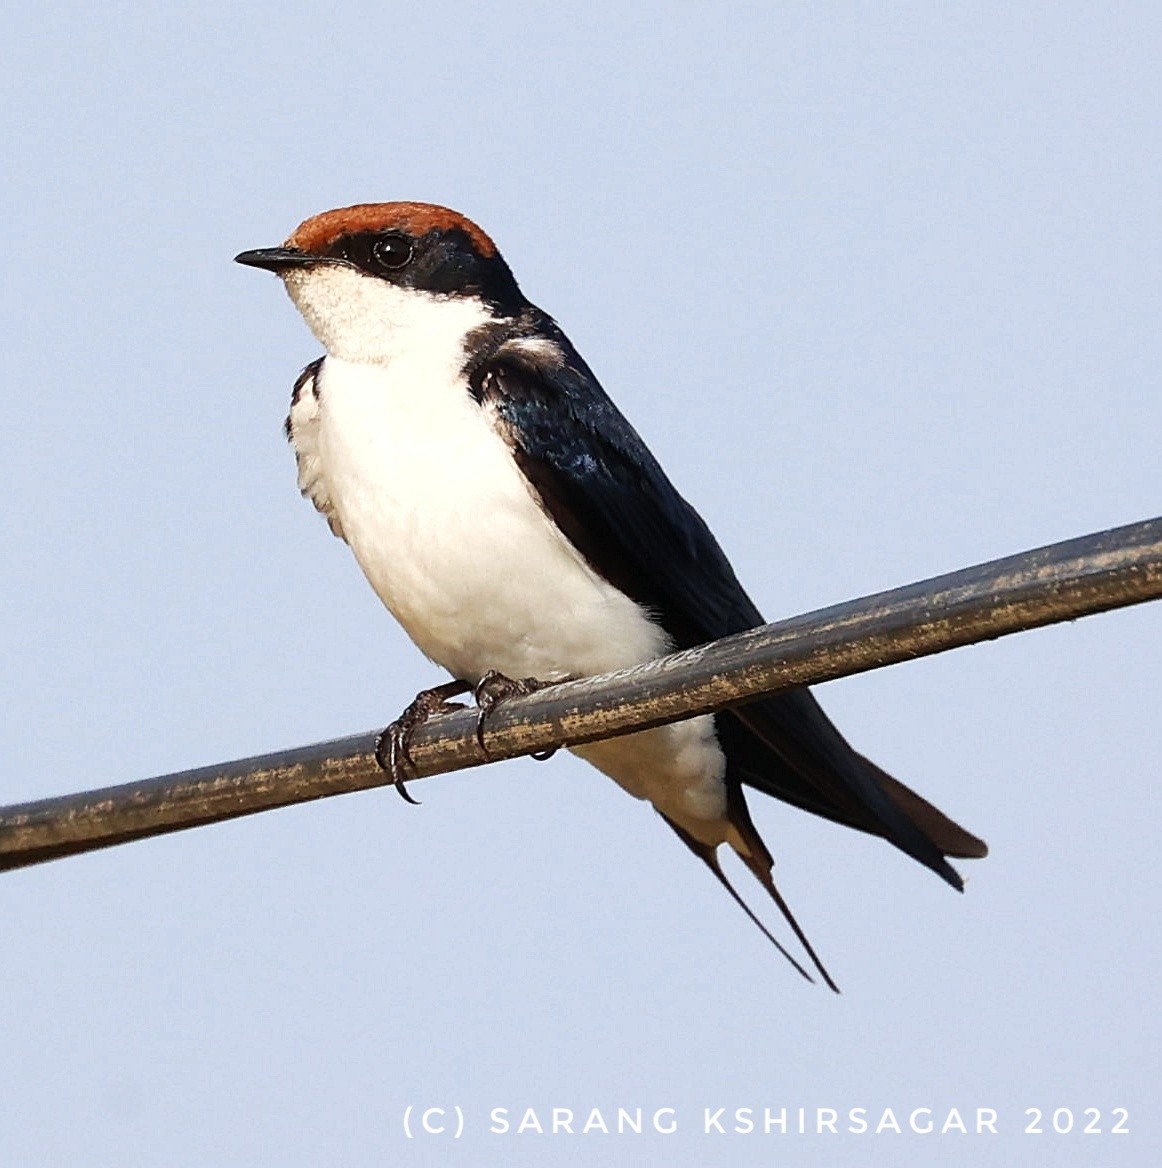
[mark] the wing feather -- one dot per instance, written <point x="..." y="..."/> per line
<point x="611" y="498"/>
<point x="302" y="431"/>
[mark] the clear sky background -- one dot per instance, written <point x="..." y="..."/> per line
<point x="880" y="286"/>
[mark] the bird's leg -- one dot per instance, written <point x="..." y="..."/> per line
<point x="392" y="751"/>
<point x="492" y="689"/>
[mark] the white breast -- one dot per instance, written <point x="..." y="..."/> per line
<point x="450" y="536"/>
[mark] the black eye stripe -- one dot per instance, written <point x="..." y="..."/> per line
<point x="446" y="262"/>
<point x="377" y="253"/>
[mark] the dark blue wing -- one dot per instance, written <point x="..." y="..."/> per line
<point x="606" y="491"/>
<point x="610" y="496"/>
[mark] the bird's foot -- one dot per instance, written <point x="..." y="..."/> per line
<point x="392" y="747"/>
<point x="492" y="689"/>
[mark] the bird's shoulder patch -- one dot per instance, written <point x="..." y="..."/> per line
<point x="302" y="431"/>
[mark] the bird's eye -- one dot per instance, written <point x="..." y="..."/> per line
<point x="391" y="252"/>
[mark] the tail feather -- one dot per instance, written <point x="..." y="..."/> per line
<point x="945" y="833"/>
<point x="787" y="747"/>
<point x="709" y="856"/>
<point x="767" y="881"/>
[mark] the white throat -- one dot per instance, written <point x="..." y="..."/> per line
<point x="368" y="321"/>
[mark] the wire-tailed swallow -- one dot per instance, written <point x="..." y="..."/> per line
<point x="513" y="521"/>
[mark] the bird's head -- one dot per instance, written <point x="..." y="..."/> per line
<point x="372" y="278"/>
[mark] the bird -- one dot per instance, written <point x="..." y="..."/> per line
<point x="520" y="530"/>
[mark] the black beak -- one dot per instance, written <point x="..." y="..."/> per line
<point x="276" y="259"/>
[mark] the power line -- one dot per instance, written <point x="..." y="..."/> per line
<point x="1091" y="574"/>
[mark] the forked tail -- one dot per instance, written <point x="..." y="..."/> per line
<point x="755" y="862"/>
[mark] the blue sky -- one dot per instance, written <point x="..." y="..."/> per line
<point x="881" y="289"/>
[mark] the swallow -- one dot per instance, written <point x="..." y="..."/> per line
<point x="517" y="527"/>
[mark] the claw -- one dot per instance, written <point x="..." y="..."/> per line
<point x="495" y="687"/>
<point x="392" y="747"/>
<point x="391" y="753"/>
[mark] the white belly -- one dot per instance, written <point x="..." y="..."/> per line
<point x="449" y="534"/>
